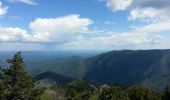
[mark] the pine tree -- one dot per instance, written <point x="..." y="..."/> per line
<point x="2" y="85"/>
<point x="18" y="84"/>
<point x="166" y="94"/>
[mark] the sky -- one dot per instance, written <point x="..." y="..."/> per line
<point x="84" y="24"/>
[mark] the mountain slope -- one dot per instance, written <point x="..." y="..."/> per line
<point x="127" y="67"/>
<point x="54" y="77"/>
<point x="41" y="61"/>
<point x="81" y="84"/>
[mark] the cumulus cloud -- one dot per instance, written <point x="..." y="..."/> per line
<point x="149" y="14"/>
<point x="150" y="10"/>
<point x="118" y="5"/>
<point x="3" y="9"/>
<point x="61" y="29"/>
<point x="145" y="14"/>
<point x="12" y="34"/>
<point x="143" y="10"/>
<point x="30" y="2"/>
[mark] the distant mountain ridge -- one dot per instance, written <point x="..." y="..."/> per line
<point x="150" y="68"/>
<point x="53" y="77"/>
<point x="128" y="67"/>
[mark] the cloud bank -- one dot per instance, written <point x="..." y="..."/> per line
<point x="70" y="32"/>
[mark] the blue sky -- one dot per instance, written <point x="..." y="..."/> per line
<point x="84" y="24"/>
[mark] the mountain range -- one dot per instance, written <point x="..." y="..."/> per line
<point x="150" y="68"/>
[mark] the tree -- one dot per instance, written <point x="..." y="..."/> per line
<point x="166" y="94"/>
<point x="112" y="93"/>
<point x="142" y="93"/>
<point x="17" y="84"/>
<point x="2" y="85"/>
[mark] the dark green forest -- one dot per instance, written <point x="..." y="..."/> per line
<point x="17" y="84"/>
<point x="149" y="68"/>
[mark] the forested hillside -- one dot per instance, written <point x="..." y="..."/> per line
<point x="16" y="84"/>
<point x="147" y="67"/>
<point x="150" y="68"/>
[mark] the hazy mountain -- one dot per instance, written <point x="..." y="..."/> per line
<point x="127" y="67"/>
<point x="42" y="61"/>
<point x="53" y="77"/>
<point x="81" y="84"/>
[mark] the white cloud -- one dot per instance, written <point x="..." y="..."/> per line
<point x="30" y="2"/>
<point x="3" y="9"/>
<point x="151" y="35"/>
<point x="117" y="5"/>
<point x="150" y="10"/>
<point x="113" y="40"/>
<point x="149" y="14"/>
<point x="69" y="32"/>
<point x="144" y="14"/>
<point x="15" y="34"/>
<point x="154" y="27"/>
<point x="21" y="38"/>
<point x="62" y="25"/>
<point x="12" y="34"/>
<point x="142" y="10"/>
<point x="61" y="29"/>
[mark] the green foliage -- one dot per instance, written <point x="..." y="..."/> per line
<point x="113" y="93"/>
<point x="15" y="83"/>
<point x="166" y="94"/>
<point x="48" y="95"/>
<point x="81" y="84"/>
<point x="141" y="93"/>
<point x="150" y="68"/>
<point x="64" y="92"/>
